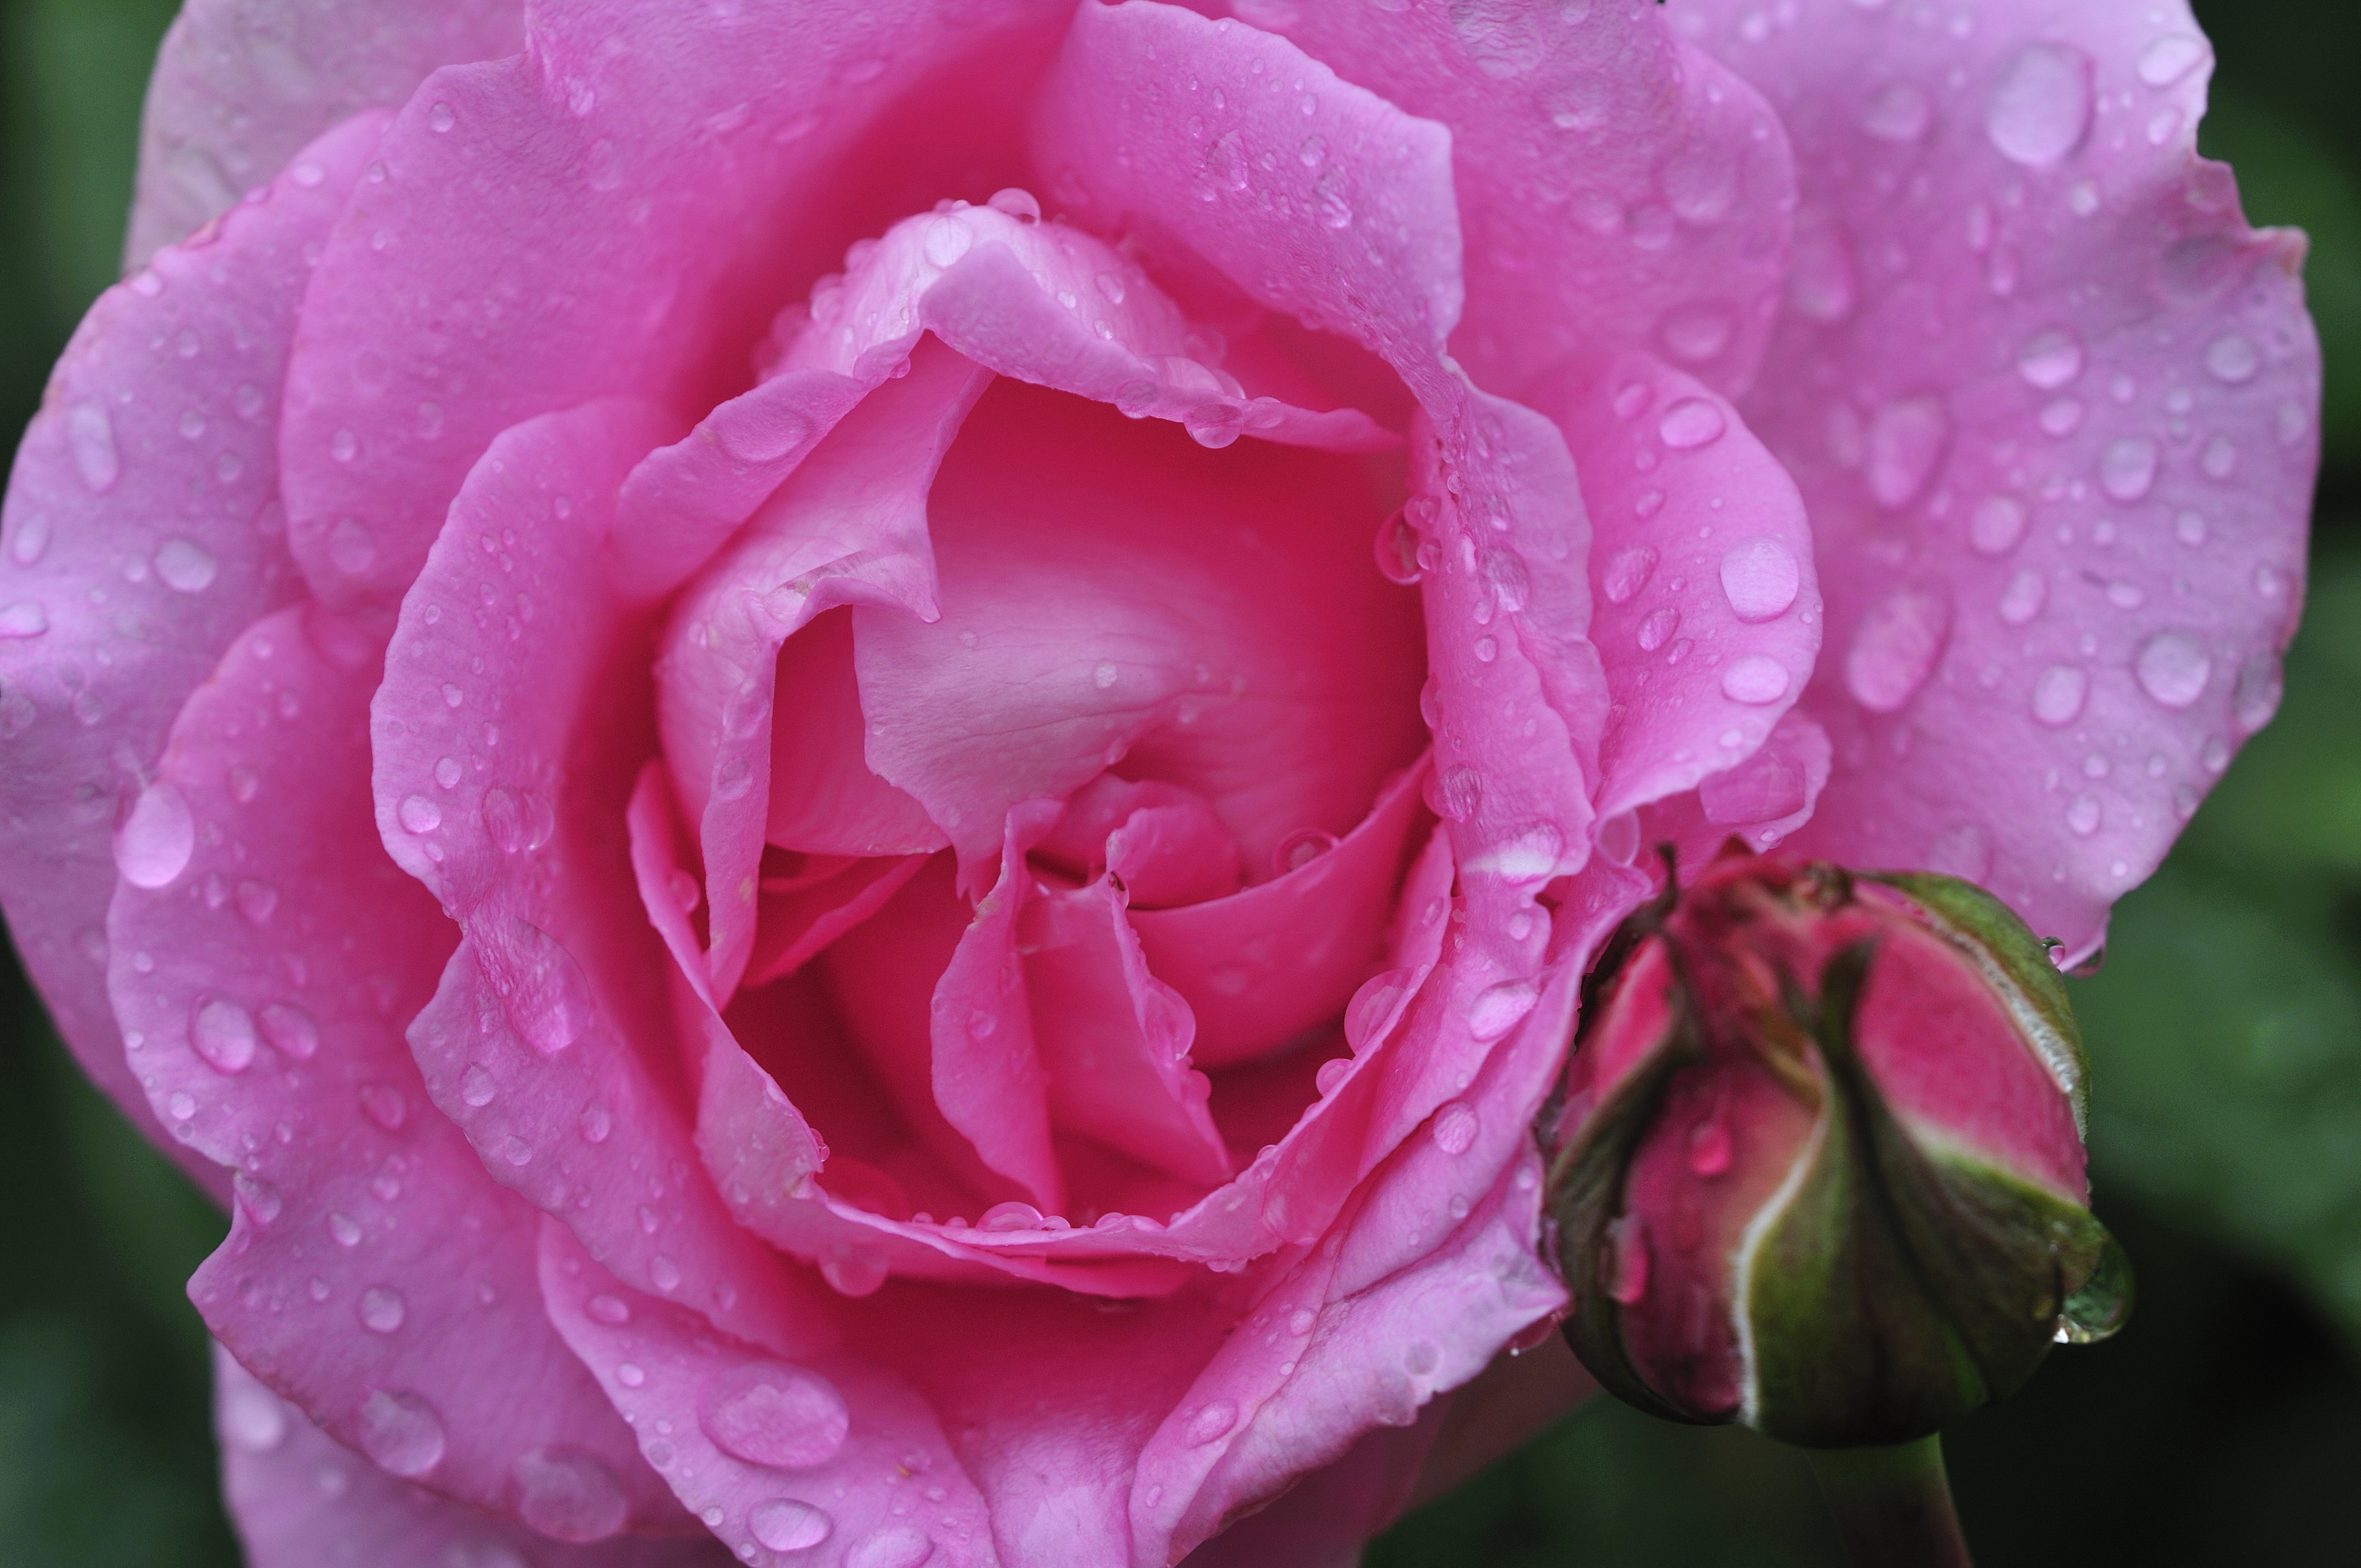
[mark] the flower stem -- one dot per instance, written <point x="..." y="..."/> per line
<point x="1893" y="1505"/>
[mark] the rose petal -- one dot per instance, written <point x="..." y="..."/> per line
<point x="1621" y="190"/>
<point x="241" y="85"/>
<point x="302" y="1500"/>
<point x="140" y="538"/>
<point x="1709" y="615"/>
<point x="2059" y="466"/>
<point x="1110" y="593"/>
<point x="370" y="1259"/>
<point x="556" y="997"/>
<point x="674" y="161"/>
<point x="823" y="799"/>
<point x="849" y="527"/>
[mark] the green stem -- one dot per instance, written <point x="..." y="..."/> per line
<point x="1893" y="1505"/>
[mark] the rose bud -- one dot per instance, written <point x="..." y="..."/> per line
<point x="1819" y="1166"/>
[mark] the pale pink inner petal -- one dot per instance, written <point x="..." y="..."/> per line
<point x="1115" y="598"/>
<point x="824" y="799"/>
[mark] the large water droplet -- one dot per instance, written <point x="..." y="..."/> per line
<point x="2082" y="815"/>
<point x="26" y="617"/>
<point x="1657" y="629"/>
<point x="2257" y="698"/>
<point x="1895" y="647"/>
<point x="2024" y="596"/>
<point x="547" y="995"/>
<point x="402" y="1432"/>
<point x="90" y="437"/>
<point x="2231" y="360"/>
<point x="785" y="1525"/>
<point x="382" y="1310"/>
<point x="1906" y="438"/>
<point x="1397" y="550"/>
<point x="157" y="838"/>
<point x="1898" y="113"/>
<point x="1210" y="1421"/>
<point x="2168" y="58"/>
<point x="2173" y="668"/>
<point x="418" y="815"/>
<point x="1456" y="1126"/>
<point x="2057" y="693"/>
<point x="769" y="1413"/>
<point x="1756" y="678"/>
<point x="569" y="1495"/>
<point x="518" y="819"/>
<point x="2040" y="107"/>
<point x="896" y="1546"/>
<point x="223" y="1033"/>
<point x="2102" y="1303"/>
<point x="1628" y="1260"/>
<point x="2128" y="469"/>
<point x="1996" y="524"/>
<point x="291" y="1031"/>
<point x="2050" y="359"/>
<point x="1691" y="423"/>
<point x="185" y="565"/>
<point x="1459" y="788"/>
<point x="1627" y="573"/>
<point x="1759" y="576"/>
<point x="1498" y="1009"/>
<point x="252" y="1418"/>
<point x="1336" y="211"/>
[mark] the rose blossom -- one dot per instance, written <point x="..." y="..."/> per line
<point x="847" y="911"/>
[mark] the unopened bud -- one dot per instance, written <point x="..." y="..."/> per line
<point x="1819" y="1165"/>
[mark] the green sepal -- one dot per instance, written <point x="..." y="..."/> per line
<point x="1843" y="1346"/>
<point x="1586" y="1192"/>
<point x="2017" y="964"/>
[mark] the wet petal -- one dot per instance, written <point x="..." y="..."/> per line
<point x="2058" y="463"/>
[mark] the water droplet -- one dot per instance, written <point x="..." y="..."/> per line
<point x="1895" y="647"/>
<point x="1396" y="549"/>
<point x="1905" y="441"/>
<point x="945" y="241"/>
<point x="2173" y="668"/>
<point x="1211" y="1421"/>
<point x="90" y="437"/>
<point x="1899" y="113"/>
<point x="1659" y="627"/>
<point x="1996" y="524"/>
<point x="856" y="1275"/>
<point x="2233" y="359"/>
<point x="663" y="1273"/>
<point x="223" y="1033"/>
<point x="595" y="1123"/>
<point x="1213" y="425"/>
<point x="185" y="565"/>
<point x="1335" y="211"/>
<point x="351" y="550"/>
<point x="345" y="1229"/>
<point x="896" y="1546"/>
<point x="2057" y="693"/>
<point x="2082" y="815"/>
<point x="2257" y="698"/>
<point x="2040" y="107"/>
<point x="402" y="1432"/>
<point x="1759" y="576"/>
<point x="1690" y="423"/>
<point x="477" y="1088"/>
<point x="1457" y="791"/>
<point x="2104" y="1302"/>
<point x="30" y="539"/>
<point x="1017" y="203"/>
<point x="518" y="819"/>
<point x="252" y="1418"/>
<point x="785" y="1525"/>
<point x="2024" y="596"/>
<point x="1627" y="573"/>
<point x="2128" y="469"/>
<point x="607" y="1310"/>
<point x="418" y="815"/>
<point x="2168" y="58"/>
<point x="1755" y="678"/>
<point x="26" y="617"/>
<point x="1709" y="1149"/>
<point x="547" y="996"/>
<point x="1694" y="333"/>
<point x="382" y="1310"/>
<point x="569" y="1495"/>
<point x="1455" y="1125"/>
<point x="1498" y="1009"/>
<point x="157" y="838"/>
<point x="2050" y="359"/>
<point x="1226" y="161"/>
<point x="291" y="1031"/>
<point x="1626" y="1240"/>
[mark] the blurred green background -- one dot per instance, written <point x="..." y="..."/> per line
<point x="2223" y="1426"/>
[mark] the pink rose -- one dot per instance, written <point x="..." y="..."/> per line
<point x="804" y="943"/>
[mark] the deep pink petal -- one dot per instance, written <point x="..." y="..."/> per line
<point x="827" y="1457"/>
<point x="143" y="534"/>
<point x="2054" y="409"/>
<point x="615" y="212"/>
<point x="301" y="1500"/>
<point x="241" y="85"/>
<point x="374" y="1274"/>
<point x="1054" y="306"/>
<point x="1112" y="595"/>
<point x="551" y="1041"/>
<point x="1369" y="246"/>
<point x="1264" y="965"/>
<point x="1701" y="557"/>
<point x="1324" y="1520"/>
<point x="850" y="526"/>
<point x="1619" y="189"/>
